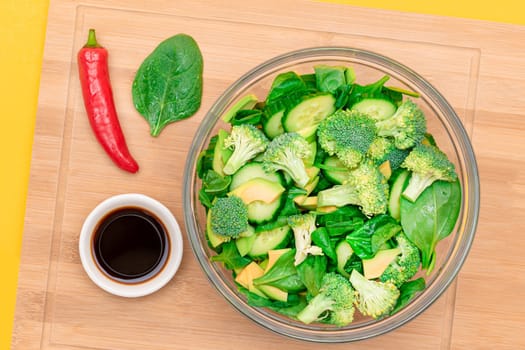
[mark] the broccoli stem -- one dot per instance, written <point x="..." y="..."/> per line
<point x="312" y="312"/>
<point x="338" y="195"/>
<point x="416" y="185"/>
<point x="297" y="171"/>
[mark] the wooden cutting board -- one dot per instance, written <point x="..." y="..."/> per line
<point x="478" y="66"/>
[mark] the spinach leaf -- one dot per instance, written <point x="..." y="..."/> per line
<point x="336" y="80"/>
<point x="282" y="274"/>
<point x="230" y="257"/>
<point x="216" y="184"/>
<point x="341" y="214"/>
<point x="309" y="81"/>
<point x="341" y="221"/>
<point x="367" y="240"/>
<point x="285" y="84"/>
<point x="205" y="198"/>
<point x="372" y="90"/>
<point x="291" y="307"/>
<point x="321" y="238"/>
<point x="330" y="78"/>
<point x="354" y="263"/>
<point x="168" y="84"/>
<point x="311" y="271"/>
<point x="335" y="228"/>
<point x="205" y="160"/>
<point x="408" y="291"/>
<point x="290" y="284"/>
<point x="213" y="185"/>
<point x="431" y="218"/>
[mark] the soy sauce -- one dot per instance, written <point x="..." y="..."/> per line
<point x="130" y="245"/>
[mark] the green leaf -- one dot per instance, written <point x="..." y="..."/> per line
<point x="321" y="238"/>
<point x="282" y="274"/>
<point x="168" y="84"/>
<point x="337" y="80"/>
<point x="205" y="160"/>
<point x="291" y="307"/>
<point x="230" y="257"/>
<point x="330" y="78"/>
<point x="340" y="215"/>
<point x="285" y="84"/>
<point x="408" y="291"/>
<point x="369" y="238"/>
<point x="431" y="218"/>
<point x="311" y="271"/>
<point x="247" y="116"/>
<point x="214" y="183"/>
<point x="354" y="263"/>
<point x="372" y="90"/>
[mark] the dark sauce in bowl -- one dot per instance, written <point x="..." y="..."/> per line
<point x="130" y="245"/>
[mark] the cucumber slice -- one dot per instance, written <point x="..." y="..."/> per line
<point x="260" y="212"/>
<point x="253" y="170"/>
<point x="270" y="240"/>
<point x="309" y="113"/>
<point x="272" y="126"/>
<point x="334" y="170"/>
<point x="309" y="132"/>
<point x="398" y="184"/>
<point x="376" y="108"/>
<point x="343" y="251"/>
<point x="244" y="244"/>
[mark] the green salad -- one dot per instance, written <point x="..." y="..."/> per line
<point x="327" y="198"/>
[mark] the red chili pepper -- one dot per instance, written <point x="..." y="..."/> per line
<point x="100" y="107"/>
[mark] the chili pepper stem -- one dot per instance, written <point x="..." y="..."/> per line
<point x="92" y="39"/>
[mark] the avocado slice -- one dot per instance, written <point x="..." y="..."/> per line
<point x="308" y="188"/>
<point x="247" y="102"/>
<point x="374" y="268"/>
<point x="244" y="244"/>
<point x="258" y="189"/>
<point x="273" y="256"/>
<point x="273" y="292"/>
<point x="247" y="275"/>
<point x="214" y="239"/>
<point x="310" y="203"/>
<point x="220" y="153"/>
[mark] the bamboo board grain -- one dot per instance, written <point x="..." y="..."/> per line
<point x="477" y="65"/>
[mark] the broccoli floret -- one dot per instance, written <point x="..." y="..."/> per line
<point x="383" y="149"/>
<point x="247" y="142"/>
<point x="406" y="265"/>
<point x="286" y="152"/>
<point x="373" y="298"/>
<point x="364" y="186"/>
<point x="229" y="216"/>
<point x="334" y="304"/>
<point x="407" y="125"/>
<point x="427" y="164"/>
<point x="303" y="225"/>
<point x="348" y="135"/>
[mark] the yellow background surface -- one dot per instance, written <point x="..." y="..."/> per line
<point x="23" y="35"/>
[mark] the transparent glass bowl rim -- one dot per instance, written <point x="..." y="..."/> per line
<point x="470" y="207"/>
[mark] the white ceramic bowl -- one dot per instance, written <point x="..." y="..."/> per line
<point x="174" y="247"/>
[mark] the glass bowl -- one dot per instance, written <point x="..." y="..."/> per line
<point x="443" y="123"/>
